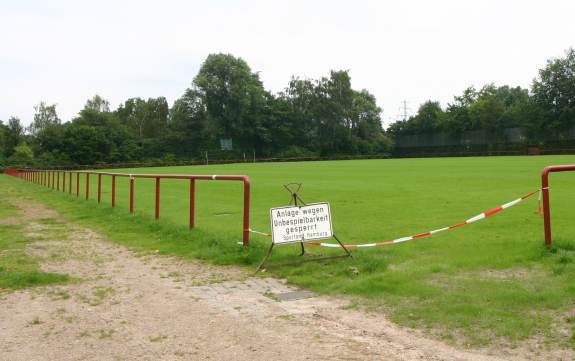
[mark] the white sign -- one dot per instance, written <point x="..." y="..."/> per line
<point x="294" y="224"/>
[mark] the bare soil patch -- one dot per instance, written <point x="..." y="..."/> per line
<point x="133" y="306"/>
<point x="10" y="221"/>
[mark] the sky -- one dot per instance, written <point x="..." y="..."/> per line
<point x="65" y="52"/>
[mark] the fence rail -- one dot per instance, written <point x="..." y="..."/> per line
<point x="51" y="178"/>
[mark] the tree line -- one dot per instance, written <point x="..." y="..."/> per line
<point x="226" y="103"/>
<point x="545" y="113"/>
<point x="228" y="107"/>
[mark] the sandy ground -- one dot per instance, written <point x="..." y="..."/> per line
<point x="131" y="306"/>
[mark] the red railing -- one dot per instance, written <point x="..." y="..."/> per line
<point x="545" y="191"/>
<point x="51" y="178"/>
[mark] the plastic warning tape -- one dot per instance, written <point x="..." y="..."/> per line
<point x="478" y="217"/>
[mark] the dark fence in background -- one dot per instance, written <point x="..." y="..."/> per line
<point x="512" y="141"/>
<point x="476" y="137"/>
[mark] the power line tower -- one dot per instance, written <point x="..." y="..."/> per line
<point x="403" y="111"/>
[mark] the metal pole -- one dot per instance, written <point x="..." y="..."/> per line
<point x="113" y="191"/>
<point x="131" y="194"/>
<point x="192" y="203"/>
<point x="99" y="188"/>
<point x="87" y="186"/>
<point x="246" y="233"/>
<point x="546" y="209"/>
<point x="157" y="213"/>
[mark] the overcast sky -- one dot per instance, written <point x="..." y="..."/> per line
<point x="64" y="52"/>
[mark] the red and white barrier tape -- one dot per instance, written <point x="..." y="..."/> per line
<point x="478" y="217"/>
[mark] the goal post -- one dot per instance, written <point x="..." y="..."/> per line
<point x="545" y="193"/>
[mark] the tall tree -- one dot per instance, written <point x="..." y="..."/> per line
<point x="98" y="104"/>
<point x="367" y="125"/>
<point x="554" y="93"/>
<point x="234" y="98"/>
<point x="156" y="115"/>
<point x="147" y="119"/>
<point x="188" y="131"/>
<point x="334" y="113"/>
<point x="132" y="113"/>
<point x="459" y="119"/>
<point x="429" y="117"/>
<point x="14" y="135"/>
<point x="44" y="116"/>
<point x="295" y="113"/>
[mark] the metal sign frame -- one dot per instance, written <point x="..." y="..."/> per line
<point x="295" y="200"/>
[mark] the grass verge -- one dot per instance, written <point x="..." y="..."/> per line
<point x="17" y="268"/>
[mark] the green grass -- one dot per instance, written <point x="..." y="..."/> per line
<point x="17" y="268"/>
<point x="492" y="280"/>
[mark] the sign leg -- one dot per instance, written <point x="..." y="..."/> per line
<point x="265" y="258"/>
<point x="342" y="246"/>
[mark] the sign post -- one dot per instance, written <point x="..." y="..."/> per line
<point x="300" y="222"/>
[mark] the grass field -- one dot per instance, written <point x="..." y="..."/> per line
<point x="18" y="269"/>
<point x="489" y="282"/>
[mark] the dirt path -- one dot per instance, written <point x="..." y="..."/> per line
<point x="129" y="306"/>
